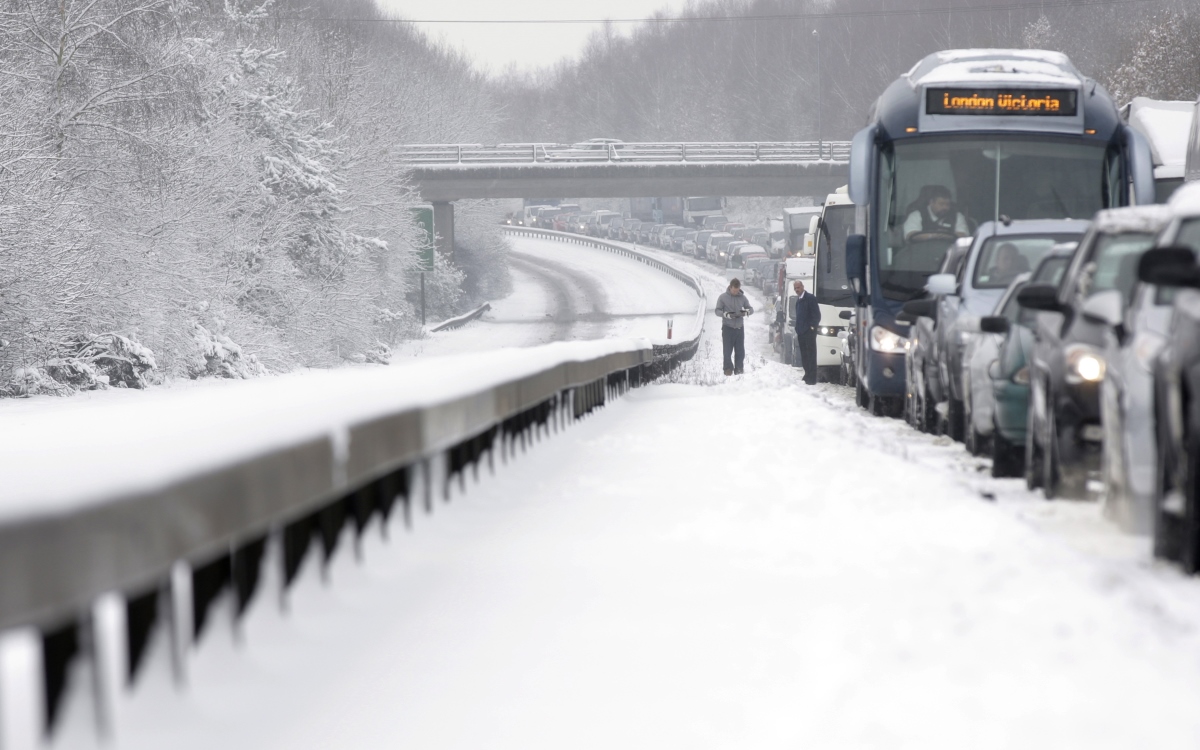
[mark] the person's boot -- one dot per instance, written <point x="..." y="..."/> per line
<point x="728" y="373"/>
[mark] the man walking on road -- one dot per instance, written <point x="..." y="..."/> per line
<point x="732" y="308"/>
<point x="808" y="317"/>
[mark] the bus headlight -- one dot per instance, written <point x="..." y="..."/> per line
<point x="1084" y="364"/>
<point x="888" y="342"/>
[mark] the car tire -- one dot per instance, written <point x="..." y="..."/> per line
<point x="786" y="355"/>
<point x="954" y="420"/>
<point x="929" y="415"/>
<point x="1033" y="453"/>
<point x="1051" y="475"/>
<point x="1007" y="459"/>
<point x="1190" y="542"/>
<point x="860" y="395"/>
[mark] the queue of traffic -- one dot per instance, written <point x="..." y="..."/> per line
<point x="1017" y="287"/>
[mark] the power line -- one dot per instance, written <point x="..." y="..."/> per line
<point x="945" y="10"/>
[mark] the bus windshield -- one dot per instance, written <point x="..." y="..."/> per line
<point x="932" y="191"/>
<point x="832" y="285"/>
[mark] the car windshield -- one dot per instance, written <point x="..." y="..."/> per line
<point x="1052" y="269"/>
<point x="1189" y="234"/>
<point x="1114" y="264"/>
<point x="704" y="204"/>
<point x="1004" y="258"/>
<point x="832" y="284"/>
<point x="934" y="190"/>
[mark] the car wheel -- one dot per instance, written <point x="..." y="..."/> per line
<point x="1033" y="452"/>
<point x="1051" y="476"/>
<point x="786" y="356"/>
<point x="969" y="434"/>
<point x="860" y="395"/>
<point x="1190" y="541"/>
<point x="929" y="415"/>
<point x="1006" y="457"/>
<point x="954" y="419"/>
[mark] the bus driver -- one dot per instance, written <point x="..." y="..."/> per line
<point x="937" y="219"/>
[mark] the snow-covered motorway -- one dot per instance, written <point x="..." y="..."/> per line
<point x="564" y="292"/>
<point x="714" y="563"/>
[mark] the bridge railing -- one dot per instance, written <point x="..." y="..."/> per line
<point x="625" y="153"/>
<point x="92" y="582"/>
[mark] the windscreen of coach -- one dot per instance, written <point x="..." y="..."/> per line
<point x="833" y="287"/>
<point x="983" y="179"/>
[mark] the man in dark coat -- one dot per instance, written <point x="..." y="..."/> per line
<point x="732" y="308"/>
<point x="808" y="317"/>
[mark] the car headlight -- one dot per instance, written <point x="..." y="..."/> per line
<point x="888" y="342"/>
<point x="1021" y="377"/>
<point x="1084" y="364"/>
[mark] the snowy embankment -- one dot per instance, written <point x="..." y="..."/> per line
<point x="714" y="563"/>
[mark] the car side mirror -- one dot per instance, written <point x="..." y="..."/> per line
<point x="994" y="367"/>
<point x="993" y="324"/>
<point x="846" y="314"/>
<point x="1169" y="266"/>
<point x="943" y="284"/>
<point x="856" y="261"/>
<point x="1042" y="297"/>
<point x="921" y="308"/>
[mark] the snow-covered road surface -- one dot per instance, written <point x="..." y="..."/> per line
<point x="569" y="292"/>
<point x="716" y="563"/>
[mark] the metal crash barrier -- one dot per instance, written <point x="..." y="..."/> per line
<point x="84" y="592"/>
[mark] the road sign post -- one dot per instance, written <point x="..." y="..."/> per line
<point x="425" y="247"/>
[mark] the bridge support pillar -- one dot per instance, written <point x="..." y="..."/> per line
<point x="443" y="227"/>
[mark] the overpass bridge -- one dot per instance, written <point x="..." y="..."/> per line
<point x="444" y="173"/>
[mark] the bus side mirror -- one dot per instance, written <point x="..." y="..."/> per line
<point x="1169" y="266"/>
<point x="814" y="223"/>
<point x="856" y="261"/>
<point x="862" y="164"/>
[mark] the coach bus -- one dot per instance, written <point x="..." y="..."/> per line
<point x="964" y="137"/>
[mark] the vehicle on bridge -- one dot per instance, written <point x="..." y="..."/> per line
<point x="964" y="137"/>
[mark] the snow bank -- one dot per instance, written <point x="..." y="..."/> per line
<point x="102" y="445"/>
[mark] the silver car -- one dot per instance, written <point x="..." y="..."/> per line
<point x="1128" y="458"/>
<point x="982" y="350"/>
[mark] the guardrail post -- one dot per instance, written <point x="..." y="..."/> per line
<point x="757" y="157"/>
<point x="22" y="690"/>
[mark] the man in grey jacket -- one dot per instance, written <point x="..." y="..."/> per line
<point x="732" y="308"/>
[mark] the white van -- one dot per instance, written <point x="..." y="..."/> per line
<point x="827" y="239"/>
<point x="795" y="269"/>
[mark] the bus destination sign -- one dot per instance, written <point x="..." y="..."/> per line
<point x="1002" y="102"/>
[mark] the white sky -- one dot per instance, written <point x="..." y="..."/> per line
<point x="494" y="46"/>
